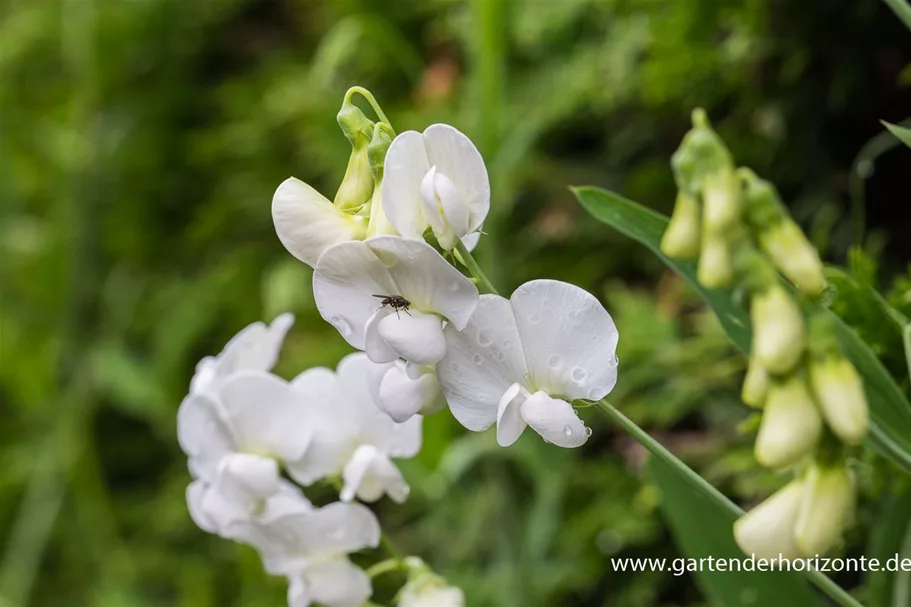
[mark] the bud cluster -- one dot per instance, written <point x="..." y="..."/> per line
<point x="811" y="396"/>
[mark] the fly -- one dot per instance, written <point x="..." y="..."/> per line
<point x="396" y="302"/>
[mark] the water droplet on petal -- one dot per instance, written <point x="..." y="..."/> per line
<point x="554" y="361"/>
<point x="343" y="326"/>
<point x="588" y="431"/>
<point x="406" y="490"/>
<point x="483" y="340"/>
<point x="567" y="431"/>
<point x="478" y="359"/>
<point x="579" y="374"/>
<point x="454" y="286"/>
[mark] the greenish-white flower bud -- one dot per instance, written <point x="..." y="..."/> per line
<point x="839" y="391"/>
<point x="825" y="510"/>
<point x="755" y="385"/>
<point x="376" y="150"/>
<point x="791" y="425"/>
<point x="779" y="335"/>
<point x="701" y="153"/>
<point x="721" y="201"/>
<point x="681" y="238"/>
<point x="768" y="529"/>
<point x="358" y="183"/>
<point x="426" y="589"/>
<point x="716" y="266"/>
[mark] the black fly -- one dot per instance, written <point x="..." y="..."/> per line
<point x="397" y="302"/>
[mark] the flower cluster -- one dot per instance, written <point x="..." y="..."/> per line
<point x="427" y="339"/>
<point x="811" y="396"/>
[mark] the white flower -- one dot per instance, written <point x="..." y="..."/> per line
<point x="403" y="389"/>
<point x="791" y="425"/>
<point x="311" y="548"/>
<point x="428" y="590"/>
<point x="253" y="413"/>
<point x="839" y="391"/>
<point x="438" y="179"/>
<point x="779" y="334"/>
<point x="255" y="348"/>
<point x="768" y="529"/>
<point x="828" y="501"/>
<point x="352" y="277"/>
<point x="351" y="436"/>
<point x="521" y="362"/>
<point x="307" y="223"/>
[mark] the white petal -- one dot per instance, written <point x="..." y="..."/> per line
<point x="298" y="593"/>
<point x="205" y="375"/>
<point x="510" y="423"/>
<point x="344" y="282"/>
<point x="414" y="336"/>
<point x="245" y="476"/>
<point x="308" y="224"/>
<point x="570" y="340"/>
<point x="369" y="474"/>
<point x="555" y="420"/>
<point x="266" y="414"/>
<point x="425" y="279"/>
<point x="481" y="363"/>
<point x="454" y="207"/>
<point x="430" y="205"/>
<point x="471" y="241"/>
<point x="196" y="492"/>
<point x="203" y="434"/>
<point x="375" y="345"/>
<point x="333" y="432"/>
<point x="457" y="157"/>
<point x="404" y="168"/>
<point x="337" y="583"/>
<point x="402" y="397"/>
<point x="768" y="529"/>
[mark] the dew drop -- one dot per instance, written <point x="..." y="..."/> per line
<point x="579" y="374"/>
<point x="478" y="359"/>
<point x="483" y="340"/>
<point x="507" y="343"/>
<point x="614" y="361"/>
<point x="588" y="431"/>
<point x="343" y="326"/>
<point x="406" y="490"/>
<point x="456" y="367"/>
<point x="554" y="361"/>
<point x="567" y="431"/>
<point x="454" y="286"/>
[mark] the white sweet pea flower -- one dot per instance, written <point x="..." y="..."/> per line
<point x="253" y="413"/>
<point x="436" y="179"/>
<point x="255" y="348"/>
<point x="403" y="390"/>
<point x="312" y="548"/>
<point x="351" y="279"/>
<point x="307" y="223"/>
<point x="767" y="530"/>
<point x="521" y="362"/>
<point x="351" y="435"/>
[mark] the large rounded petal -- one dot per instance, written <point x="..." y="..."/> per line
<point x="457" y="157"/>
<point x="481" y="363"/>
<point x="246" y="477"/>
<point x="345" y="281"/>
<point x="400" y="396"/>
<point x="203" y="434"/>
<point x="570" y="340"/>
<point x="425" y="279"/>
<point x="376" y="347"/>
<point x="266" y="415"/>
<point x="404" y="168"/>
<point x="308" y="224"/>
<point x="767" y="530"/>
<point x="555" y="420"/>
<point x="337" y="583"/>
<point x="414" y="336"/>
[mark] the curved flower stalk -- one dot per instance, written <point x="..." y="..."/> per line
<point x="436" y="179"/>
<point x="403" y="390"/>
<point x="255" y="348"/>
<point x="522" y="361"/>
<point x="352" y="278"/>
<point x="351" y="436"/>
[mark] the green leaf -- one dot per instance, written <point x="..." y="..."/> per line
<point x="900" y="132"/>
<point x="891" y="535"/>
<point x="890" y="411"/>
<point x="702" y="529"/>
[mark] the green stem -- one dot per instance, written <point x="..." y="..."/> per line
<point x="373" y="103"/>
<point x="390" y="547"/>
<point x="827" y="586"/>
<point x="474" y="268"/>
<point x="387" y="566"/>
<point x="901" y="8"/>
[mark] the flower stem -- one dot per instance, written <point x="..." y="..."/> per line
<point x="827" y="586"/>
<point x="474" y="268"/>
<point x="387" y="566"/>
<point x="390" y="547"/>
<point x="373" y="103"/>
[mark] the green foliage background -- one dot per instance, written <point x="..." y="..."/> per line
<point x="141" y="142"/>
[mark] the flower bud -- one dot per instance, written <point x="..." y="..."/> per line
<point x="721" y="201"/>
<point x="826" y="506"/>
<point x="716" y="268"/>
<point x="791" y="425"/>
<point x="426" y="589"/>
<point x="356" y="188"/>
<point x="779" y="336"/>
<point x="793" y="254"/>
<point x="840" y="394"/>
<point x="755" y="385"/>
<point x="681" y="238"/>
<point x="768" y="529"/>
<point x="701" y="153"/>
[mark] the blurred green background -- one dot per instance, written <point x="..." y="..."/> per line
<point x="141" y="142"/>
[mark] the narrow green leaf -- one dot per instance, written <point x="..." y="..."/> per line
<point x="890" y="411"/>
<point x="703" y="530"/>
<point x="890" y="536"/>
<point x="900" y="132"/>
